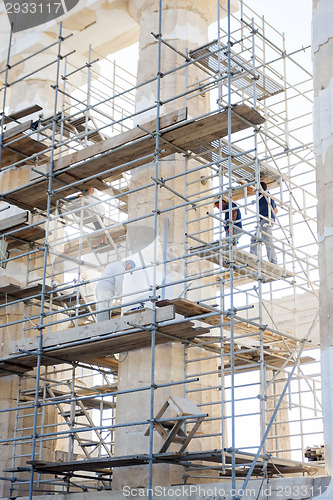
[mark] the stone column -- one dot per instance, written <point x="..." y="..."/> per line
<point x="279" y="435"/>
<point x="323" y="145"/>
<point x="184" y="26"/>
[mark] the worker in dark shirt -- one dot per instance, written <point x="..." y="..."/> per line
<point x="233" y="215"/>
<point x="267" y="211"/>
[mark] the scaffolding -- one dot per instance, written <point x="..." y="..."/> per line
<point x="244" y="325"/>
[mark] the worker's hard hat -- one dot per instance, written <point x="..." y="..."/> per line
<point x="131" y="262"/>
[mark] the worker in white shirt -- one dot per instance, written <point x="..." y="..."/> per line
<point x="109" y="286"/>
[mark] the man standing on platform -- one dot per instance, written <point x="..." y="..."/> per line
<point x="109" y="286"/>
<point x="267" y="211"/>
<point x="233" y="215"/>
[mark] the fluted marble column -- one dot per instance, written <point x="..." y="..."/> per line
<point x="322" y="46"/>
<point x="185" y="26"/>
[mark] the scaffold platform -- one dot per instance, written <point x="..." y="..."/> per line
<point x="129" y="150"/>
<point x="275" y="466"/>
<point x="246" y="265"/>
<point x="94" y="342"/>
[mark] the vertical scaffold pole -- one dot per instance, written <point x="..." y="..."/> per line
<point x="154" y="286"/>
<point x="43" y="292"/>
<point x="6" y="85"/>
<point x="231" y="271"/>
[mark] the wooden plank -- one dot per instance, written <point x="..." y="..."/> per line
<point x="184" y="406"/>
<point x="183" y="135"/>
<point x="129" y="342"/>
<point x="23" y="147"/>
<point x="72" y="247"/>
<point x="24" y="236"/>
<point x="190" y="309"/>
<point x="10" y="292"/>
<point x="23" y="233"/>
<point x="277" y="466"/>
<point x="97" y="389"/>
<point x="22" y="113"/>
<point x="14" y="367"/>
<point x="120" y="139"/>
<point x="269" y="271"/>
<point x="278" y="342"/>
<point x="16" y="132"/>
<point x="89" y="351"/>
<point x="9" y="289"/>
<point x="93" y="330"/>
<point x="213" y="127"/>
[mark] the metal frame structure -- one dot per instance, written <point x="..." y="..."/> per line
<point x="258" y="375"/>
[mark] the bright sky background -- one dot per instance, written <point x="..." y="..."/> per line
<point x="293" y="17"/>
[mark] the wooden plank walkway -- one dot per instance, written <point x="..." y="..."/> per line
<point x="17" y="145"/>
<point x="275" y="466"/>
<point x="277" y="347"/>
<point x="94" y="342"/>
<point x="131" y="146"/>
<point x="247" y="264"/>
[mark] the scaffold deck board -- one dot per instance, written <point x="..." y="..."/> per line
<point x="17" y="145"/>
<point x="275" y="466"/>
<point x="189" y="309"/>
<point x="91" y="351"/>
<point x="70" y="302"/>
<point x="24" y="236"/>
<point x="247" y="263"/>
<point x="99" y="340"/>
<point x="245" y="360"/>
<point x="11" y="292"/>
<point x="243" y="165"/>
<point x="280" y="345"/>
<point x="90" y="332"/>
<point x="130" y="150"/>
<point x="215" y="60"/>
<point x="14" y="117"/>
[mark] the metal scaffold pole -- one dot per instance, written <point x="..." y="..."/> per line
<point x="225" y="119"/>
<point x="45" y="263"/>
<point x="154" y="279"/>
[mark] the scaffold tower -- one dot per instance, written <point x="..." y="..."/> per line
<point x="204" y="368"/>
